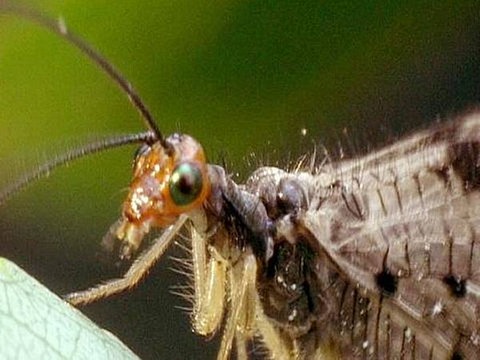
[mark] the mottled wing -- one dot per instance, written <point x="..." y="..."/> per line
<point x="402" y="226"/>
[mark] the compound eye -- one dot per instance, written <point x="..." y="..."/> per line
<point x="185" y="183"/>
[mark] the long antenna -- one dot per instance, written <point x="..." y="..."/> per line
<point x="94" y="147"/>
<point x="59" y="27"/>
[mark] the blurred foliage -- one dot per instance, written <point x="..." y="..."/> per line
<point x="36" y="324"/>
<point x="244" y="77"/>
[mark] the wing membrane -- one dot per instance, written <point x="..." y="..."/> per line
<point x="410" y="214"/>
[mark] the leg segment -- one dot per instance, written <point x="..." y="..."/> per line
<point x="136" y="272"/>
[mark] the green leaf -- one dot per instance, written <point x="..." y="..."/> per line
<point x="37" y="324"/>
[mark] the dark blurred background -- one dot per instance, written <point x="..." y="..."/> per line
<point x="243" y="77"/>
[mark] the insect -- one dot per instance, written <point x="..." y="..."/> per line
<point x="369" y="257"/>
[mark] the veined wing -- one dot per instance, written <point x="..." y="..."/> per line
<point x="401" y="226"/>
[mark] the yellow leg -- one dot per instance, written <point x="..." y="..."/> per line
<point x="241" y="346"/>
<point x="278" y="346"/>
<point x="209" y="271"/>
<point x="136" y="272"/>
<point x="240" y="291"/>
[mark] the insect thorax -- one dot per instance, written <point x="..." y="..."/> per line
<point x="375" y="257"/>
<point x="299" y="293"/>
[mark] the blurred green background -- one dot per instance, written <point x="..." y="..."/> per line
<point x="243" y="77"/>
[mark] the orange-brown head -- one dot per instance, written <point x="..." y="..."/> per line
<point x="166" y="184"/>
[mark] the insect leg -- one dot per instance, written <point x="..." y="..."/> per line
<point x="240" y="290"/>
<point x="277" y="346"/>
<point x="136" y="272"/>
<point x="245" y="324"/>
<point x="209" y="271"/>
<point x="209" y="282"/>
<point x="241" y="346"/>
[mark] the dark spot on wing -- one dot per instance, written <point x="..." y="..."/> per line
<point x="465" y="157"/>
<point x="387" y="282"/>
<point x="443" y="175"/>
<point x="456" y="356"/>
<point x="456" y="285"/>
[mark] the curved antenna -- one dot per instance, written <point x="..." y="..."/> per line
<point x="59" y="27"/>
<point x="91" y="148"/>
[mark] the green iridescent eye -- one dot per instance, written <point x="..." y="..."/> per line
<point x="185" y="184"/>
